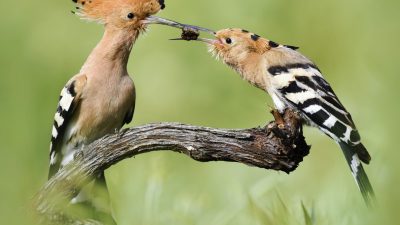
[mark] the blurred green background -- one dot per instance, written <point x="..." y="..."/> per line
<point x="355" y="43"/>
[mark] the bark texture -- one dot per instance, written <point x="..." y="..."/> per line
<point x="278" y="146"/>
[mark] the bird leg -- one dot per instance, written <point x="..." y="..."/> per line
<point x="278" y="118"/>
<point x="122" y="132"/>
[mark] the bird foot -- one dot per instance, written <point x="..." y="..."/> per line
<point x="122" y="132"/>
<point x="278" y="118"/>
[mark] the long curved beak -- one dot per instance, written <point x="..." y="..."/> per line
<point x="171" y="23"/>
<point x="205" y="40"/>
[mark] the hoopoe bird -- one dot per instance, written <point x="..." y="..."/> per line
<point x="293" y="81"/>
<point x="100" y="99"/>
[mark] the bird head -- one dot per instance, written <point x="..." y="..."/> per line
<point x="236" y="44"/>
<point x="236" y="47"/>
<point x="122" y="14"/>
<point x="233" y="46"/>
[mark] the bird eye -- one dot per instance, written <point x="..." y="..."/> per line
<point x="130" y="16"/>
<point x="228" y="41"/>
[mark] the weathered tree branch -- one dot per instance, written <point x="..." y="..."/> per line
<point x="277" y="146"/>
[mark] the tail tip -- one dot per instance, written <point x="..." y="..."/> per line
<point x="362" y="153"/>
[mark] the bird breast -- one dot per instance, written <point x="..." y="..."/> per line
<point x="102" y="111"/>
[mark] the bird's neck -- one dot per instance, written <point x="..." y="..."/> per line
<point x="251" y="68"/>
<point x="111" y="54"/>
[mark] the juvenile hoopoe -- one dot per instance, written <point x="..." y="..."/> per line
<point x="293" y="81"/>
<point x="100" y="99"/>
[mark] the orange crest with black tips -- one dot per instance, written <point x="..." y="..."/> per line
<point x="118" y="12"/>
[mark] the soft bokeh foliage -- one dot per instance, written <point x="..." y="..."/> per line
<point x="355" y="43"/>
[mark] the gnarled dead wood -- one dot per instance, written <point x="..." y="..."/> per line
<point x="277" y="146"/>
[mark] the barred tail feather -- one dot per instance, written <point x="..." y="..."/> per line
<point x="359" y="173"/>
<point x="53" y="170"/>
<point x="93" y="201"/>
<point x="362" y="153"/>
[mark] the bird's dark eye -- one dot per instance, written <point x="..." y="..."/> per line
<point x="130" y="16"/>
<point x="228" y="41"/>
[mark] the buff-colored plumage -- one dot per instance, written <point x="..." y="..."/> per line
<point x="100" y="99"/>
<point x="249" y="55"/>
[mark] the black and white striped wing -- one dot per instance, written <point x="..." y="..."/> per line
<point x="69" y="99"/>
<point x="304" y="88"/>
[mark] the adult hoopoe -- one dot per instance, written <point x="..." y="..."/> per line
<point x="293" y="81"/>
<point x="100" y="99"/>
